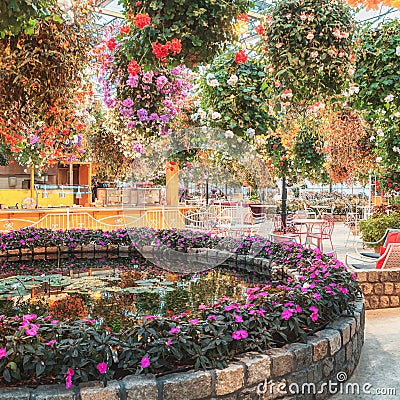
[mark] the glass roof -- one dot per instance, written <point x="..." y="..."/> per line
<point x="111" y="9"/>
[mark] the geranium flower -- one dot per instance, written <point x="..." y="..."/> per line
<point x="260" y="30"/>
<point x="243" y="17"/>
<point x="111" y="44"/>
<point x="141" y="20"/>
<point x="241" y="57"/>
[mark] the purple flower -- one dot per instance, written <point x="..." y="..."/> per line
<point x="127" y="102"/>
<point x="240" y="334"/>
<point x="145" y="362"/>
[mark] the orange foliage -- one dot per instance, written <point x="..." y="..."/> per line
<point x="373" y="4"/>
<point x="347" y="146"/>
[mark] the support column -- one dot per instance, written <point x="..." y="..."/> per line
<point x="32" y="183"/>
<point x="172" y="175"/>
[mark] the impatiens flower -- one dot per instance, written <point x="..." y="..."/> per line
<point x="314" y="315"/>
<point x="51" y="342"/>
<point x="172" y="331"/>
<point x="168" y="342"/>
<point x="3" y="353"/>
<point x="194" y="321"/>
<point x="286" y="314"/>
<point x="145" y="362"/>
<point x="68" y="379"/>
<point x="241" y="57"/>
<point x="240" y="334"/>
<point x="238" y="318"/>
<point x="102" y="367"/>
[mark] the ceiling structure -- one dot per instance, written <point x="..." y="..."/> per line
<point x="110" y="10"/>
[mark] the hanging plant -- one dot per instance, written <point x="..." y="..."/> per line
<point x="347" y="146"/>
<point x="233" y="97"/>
<point x="146" y="100"/>
<point x="197" y="29"/>
<point x="373" y="4"/>
<point x="308" y="44"/>
<point x="41" y="84"/>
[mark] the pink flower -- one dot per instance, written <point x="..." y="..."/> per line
<point x="29" y="317"/>
<point x="317" y="296"/>
<point x="172" y="331"/>
<point x="298" y="309"/>
<point x="32" y="331"/>
<point x="68" y="382"/>
<point x="145" y="362"/>
<point x="202" y="307"/>
<point x="102" y="367"/>
<point x="240" y="334"/>
<point x="212" y="317"/>
<point x="50" y="343"/>
<point x="194" y="321"/>
<point x="168" y="342"/>
<point x="70" y="372"/>
<point x="238" y="318"/>
<point x="286" y="314"/>
<point x="3" y="353"/>
<point x="54" y="322"/>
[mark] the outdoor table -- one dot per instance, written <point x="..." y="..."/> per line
<point x="309" y="223"/>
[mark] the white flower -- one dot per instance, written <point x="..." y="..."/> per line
<point x="378" y="159"/>
<point x="389" y="98"/>
<point x="204" y="129"/>
<point x="372" y="138"/>
<point x="380" y="133"/>
<point x="396" y="114"/>
<point x="229" y="134"/>
<point x="250" y="132"/>
<point x="215" y="115"/>
<point x="396" y="149"/>
<point x="233" y="80"/>
<point x="213" y="83"/>
<point x="210" y="76"/>
<point x="398" y="51"/>
<point x="64" y="5"/>
<point x="194" y="117"/>
<point x="202" y="114"/>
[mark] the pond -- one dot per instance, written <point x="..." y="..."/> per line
<point x="117" y="291"/>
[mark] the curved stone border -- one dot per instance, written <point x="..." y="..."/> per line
<point x="381" y="288"/>
<point x="302" y="366"/>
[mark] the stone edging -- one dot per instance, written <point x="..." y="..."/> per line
<point x="381" y="288"/>
<point x="326" y="353"/>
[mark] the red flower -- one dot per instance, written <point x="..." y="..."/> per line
<point x="243" y="17"/>
<point x="141" y="20"/>
<point x="241" y="57"/>
<point x="260" y="30"/>
<point x="124" y="30"/>
<point x="111" y="43"/>
<point x="133" y="68"/>
<point x="175" y="46"/>
<point x="138" y="3"/>
<point x="159" y="50"/>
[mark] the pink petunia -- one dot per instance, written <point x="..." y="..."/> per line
<point x="145" y="362"/>
<point x="102" y="367"/>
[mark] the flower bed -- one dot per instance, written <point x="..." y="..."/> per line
<point x="315" y="291"/>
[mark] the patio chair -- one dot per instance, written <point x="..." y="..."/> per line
<point x="291" y="230"/>
<point x="389" y="259"/>
<point x="383" y="240"/>
<point x="324" y="232"/>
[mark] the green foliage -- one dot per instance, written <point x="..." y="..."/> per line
<point x="314" y="68"/>
<point x="203" y="27"/>
<point x="374" y="227"/>
<point x="21" y="15"/>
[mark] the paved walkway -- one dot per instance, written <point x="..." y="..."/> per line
<point x="379" y="366"/>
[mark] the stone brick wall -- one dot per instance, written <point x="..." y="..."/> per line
<point x="265" y="376"/>
<point x="381" y="288"/>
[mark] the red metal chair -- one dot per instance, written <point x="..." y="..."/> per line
<point x="324" y="232"/>
<point x="279" y="229"/>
